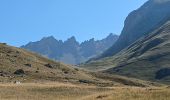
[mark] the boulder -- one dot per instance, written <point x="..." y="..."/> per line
<point x="19" y="72"/>
<point x="48" y="65"/>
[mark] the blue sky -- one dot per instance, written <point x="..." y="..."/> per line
<point x="22" y="21"/>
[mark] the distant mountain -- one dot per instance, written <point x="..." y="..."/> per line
<point x="70" y="51"/>
<point x="142" y="21"/>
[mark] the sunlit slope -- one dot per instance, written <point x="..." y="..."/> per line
<point x="20" y="65"/>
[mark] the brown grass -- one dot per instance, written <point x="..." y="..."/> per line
<point x="60" y="91"/>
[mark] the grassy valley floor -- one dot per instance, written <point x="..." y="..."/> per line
<point x="61" y="91"/>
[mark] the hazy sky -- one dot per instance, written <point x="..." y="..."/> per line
<point x="22" y="21"/>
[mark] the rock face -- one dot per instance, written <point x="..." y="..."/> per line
<point x="141" y="22"/>
<point x="70" y="51"/>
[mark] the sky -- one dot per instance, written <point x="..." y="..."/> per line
<point x="22" y="21"/>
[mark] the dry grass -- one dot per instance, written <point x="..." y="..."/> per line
<point x="60" y="91"/>
<point x="132" y="93"/>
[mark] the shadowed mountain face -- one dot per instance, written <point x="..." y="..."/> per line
<point x="142" y="21"/>
<point x="70" y="51"/>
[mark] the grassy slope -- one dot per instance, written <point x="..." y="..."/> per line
<point x="140" y="60"/>
<point x="12" y="59"/>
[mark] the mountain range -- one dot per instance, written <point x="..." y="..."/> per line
<point x="70" y="51"/>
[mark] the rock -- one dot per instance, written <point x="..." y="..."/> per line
<point x="37" y="71"/>
<point x="19" y="72"/>
<point x="29" y="65"/>
<point x="66" y="72"/>
<point x="17" y="82"/>
<point x="101" y="96"/>
<point x="84" y="81"/>
<point x="1" y="74"/>
<point x="48" y="65"/>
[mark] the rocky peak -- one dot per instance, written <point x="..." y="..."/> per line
<point x="71" y="41"/>
<point x="48" y="38"/>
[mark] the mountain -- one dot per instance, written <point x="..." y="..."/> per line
<point x="147" y="58"/>
<point x="142" y="21"/>
<point x="142" y="50"/>
<point x="70" y="51"/>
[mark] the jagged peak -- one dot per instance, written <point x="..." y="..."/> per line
<point x="92" y="39"/>
<point x="49" y="38"/>
<point x="72" y="39"/>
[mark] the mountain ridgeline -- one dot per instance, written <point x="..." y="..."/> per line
<point x="140" y="22"/>
<point x="70" y="51"/>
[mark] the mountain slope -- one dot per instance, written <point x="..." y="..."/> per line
<point x="142" y="21"/>
<point x="20" y="65"/>
<point x="70" y="51"/>
<point x="147" y="59"/>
